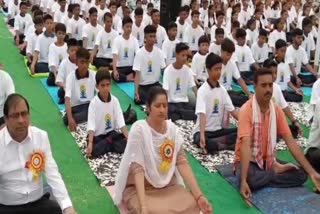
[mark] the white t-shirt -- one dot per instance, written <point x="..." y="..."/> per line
<point x="146" y="19"/>
<point x="213" y="102"/>
<point x="161" y="36"/>
<point x="13" y="9"/>
<point x="59" y="15"/>
<point x="296" y="57"/>
<point x="260" y="54"/>
<point x="244" y="17"/>
<point x="191" y="37"/>
<point x="138" y="32"/>
<point x="177" y="83"/>
<point x="42" y="46"/>
<point x="101" y="14"/>
<point x="104" y="117"/>
<point x="169" y="50"/>
<point x="315" y="95"/>
<point x="74" y="27"/>
<point x="227" y="72"/>
<point x="274" y="36"/>
<point x="252" y="36"/>
<point x="181" y="29"/>
<point x="115" y="23"/>
<point x="277" y="96"/>
<point x="22" y="23"/>
<point x="308" y="44"/>
<point x="57" y="54"/>
<point x="283" y="75"/>
<point x="244" y="57"/>
<point x="6" y="88"/>
<point x="214" y="48"/>
<point x="149" y="64"/>
<point x="85" y="6"/>
<point x="66" y="67"/>
<point x="198" y="67"/>
<point x="125" y="49"/>
<point x="90" y="32"/>
<point x="80" y="91"/>
<point x="213" y="32"/>
<point x="31" y="42"/>
<point x="104" y="41"/>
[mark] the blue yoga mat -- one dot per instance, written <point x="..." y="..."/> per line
<point x="278" y="200"/>
<point x="238" y="87"/>
<point x="53" y="90"/>
<point x="128" y="88"/>
<point x="4" y="13"/>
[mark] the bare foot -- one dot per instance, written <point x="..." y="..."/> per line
<point x="282" y="168"/>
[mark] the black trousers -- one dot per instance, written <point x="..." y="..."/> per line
<point x="79" y="114"/>
<point x="11" y="22"/>
<point x="184" y="111"/>
<point x="238" y="98"/>
<point x="221" y="139"/>
<point x="313" y="156"/>
<point x="1" y="121"/>
<point x="123" y="73"/>
<point x="247" y="76"/>
<point x="111" y="142"/>
<point x="42" y="67"/>
<point x="61" y="93"/>
<point x="51" y="80"/>
<point x="43" y="205"/>
<point x="291" y="96"/>
<point x="258" y="178"/>
<point x="305" y="79"/>
<point x="143" y="92"/>
<point x="102" y="62"/>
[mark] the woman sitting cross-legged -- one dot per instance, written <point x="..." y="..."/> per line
<point x="154" y="167"/>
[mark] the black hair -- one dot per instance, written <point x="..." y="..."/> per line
<point x="211" y="60"/>
<point x="70" y="8"/>
<point x="172" y="25"/>
<point x="235" y="24"/>
<point x="219" y="13"/>
<point x="34" y="8"/>
<point x="241" y="33"/>
<point x="306" y="21"/>
<point x="83" y="53"/>
<point x="93" y="10"/>
<point x="183" y="9"/>
<point x="47" y="17"/>
<point x="261" y="72"/>
<point x="263" y="32"/>
<point x="102" y="74"/>
<point x="150" y="29"/>
<point x="282" y="12"/>
<point x="38" y="20"/>
<point x="228" y="46"/>
<point x="203" y="39"/>
<point x="150" y="5"/>
<point x="153" y="93"/>
<point x="195" y="12"/>
<point x="72" y="43"/>
<point x="277" y="22"/>
<point x="138" y="12"/>
<point x="268" y="63"/>
<point x="112" y="3"/>
<point x="219" y="31"/>
<point x="75" y="6"/>
<point x="153" y="11"/>
<point x="11" y="101"/>
<point x="37" y="13"/>
<point x="126" y="20"/>
<point x="60" y="27"/>
<point x="280" y="43"/>
<point x="23" y="3"/>
<point x="107" y="14"/>
<point x="181" y="47"/>
<point x="250" y="22"/>
<point x="297" y="32"/>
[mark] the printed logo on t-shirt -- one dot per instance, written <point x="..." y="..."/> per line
<point x="109" y="44"/>
<point x="125" y="55"/>
<point x="138" y="36"/>
<point x="224" y="78"/>
<point x="149" y="66"/>
<point x="93" y="37"/>
<point x="193" y="40"/>
<point x="281" y="76"/>
<point x="83" y="92"/>
<point x="306" y="47"/>
<point x="107" y="120"/>
<point x="173" y="54"/>
<point x="181" y="36"/>
<point x="204" y="68"/>
<point x="23" y="26"/>
<point x="243" y="57"/>
<point x="215" y="106"/>
<point x="178" y="84"/>
<point x="60" y="58"/>
<point x="259" y="57"/>
<point x="76" y="31"/>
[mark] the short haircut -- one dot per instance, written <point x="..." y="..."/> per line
<point x="268" y="63"/>
<point x="37" y="13"/>
<point x="83" y="53"/>
<point x="112" y="3"/>
<point x="241" y="33"/>
<point x="70" y="8"/>
<point x="138" y="12"/>
<point x="306" y="21"/>
<point x="183" y="9"/>
<point x="228" y="46"/>
<point x="261" y="72"/>
<point x="23" y="3"/>
<point x="297" y="32"/>
<point x="250" y="22"/>
<point x="150" y="5"/>
<point x="102" y="74"/>
<point x="212" y="59"/>
<point x="38" y="20"/>
<point x="181" y="47"/>
<point x="235" y="24"/>
<point x="283" y="11"/>
<point x="280" y="43"/>
<point x="219" y="13"/>
<point x="219" y="31"/>
<point x="203" y="39"/>
<point x="60" y="27"/>
<point x="72" y="43"/>
<point x="153" y="11"/>
<point x="107" y="14"/>
<point x="11" y="101"/>
<point x="150" y="29"/>
<point x="75" y="6"/>
<point x="277" y="22"/>
<point x="93" y="10"/>
<point x="47" y="17"/>
<point x="172" y="25"/>
<point x="126" y="20"/>
<point x="263" y="32"/>
<point x="194" y="13"/>
<point x="34" y="8"/>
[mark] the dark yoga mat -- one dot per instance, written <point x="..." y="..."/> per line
<point x="297" y="200"/>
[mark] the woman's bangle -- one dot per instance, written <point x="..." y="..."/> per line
<point x="198" y="198"/>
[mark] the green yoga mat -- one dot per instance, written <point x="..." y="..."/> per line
<point x="36" y="75"/>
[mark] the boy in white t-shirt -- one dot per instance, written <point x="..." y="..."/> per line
<point x="6" y="88"/>
<point x="104" y="118"/>
<point x="124" y="49"/>
<point x="61" y="13"/>
<point x="138" y="26"/>
<point x="215" y="46"/>
<point x="245" y="60"/>
<point x="91" y="30"/>
<point x="219" y="24"/>
<point x="57" y="53"/>
<point x="67" y="66"/>
<point x="296" y="56"/>
<point x="169" y="45"/>
<point x="21" y="23"/>
<point x="148" y="64"/>
<point x="76" y="24"/>
<point x="116" y="19"/>
<point x="193" y="32"/>
<point x="32" y="38"/>
<point x="212" y="109"/>
<point x="177" y="80"/>
<point x="308" y="43"/>
<point x="79" y="91"/>
<point x="41" y="51"/>
<point x="85" y="6"/>
<point x="101" y="55"/>
<point x="13" y="10"/>
<point x="102" y="9"/>
<point x="260" y="48"/>
<point x="161" y="32"/>
<point x="181" y="23"/>
<point x="198" y="64"/>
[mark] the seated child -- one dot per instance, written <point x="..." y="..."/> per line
<point x="219" y="24"/>
<point x="177" y="80"/>
<point x="138" y="26"/>
<point x="80" y="90"/>
<point x="124" y="49"/>
<point x="104" y="118"/>
<point x="230" y="72"/>
<point x="259" y="48"/>
<point x="308" y="43"/>
<point x="101" y="55"/>
<point x="91" y="30"/>
<point x="213" y="103"/>
<point x="32" y="38"/>
<point x="215" y="46"/>
<point x="252" y="34"/>
<point x="277" y="33"/>
<point x="161" y="31"/>
<point x="13" y="10"/>
<point x="198" y="65"/>
<point x="147" y="65"/>
<point x="75" y="24"/>
<point x="169" y="44"/>
<point x="244" y="57"/>
<point x="41" y="50"/>
<point x="67" y="66"/>
<point x="57" y="53"/>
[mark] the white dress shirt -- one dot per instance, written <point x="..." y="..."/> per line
<point x="17" y="185"/>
